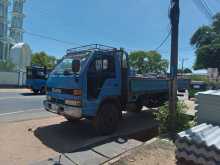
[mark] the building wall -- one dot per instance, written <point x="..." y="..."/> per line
<point x="16" y="30"/>
<point x="208" y="104"/>
<point x="12" y="78"/>
<point x="3" y="28"/>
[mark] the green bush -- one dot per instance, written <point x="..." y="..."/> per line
<point x="182" y="120"/>
<point x="214" y="85"/>
<point x="192" y="92"/>
<point x="198" y="78"/>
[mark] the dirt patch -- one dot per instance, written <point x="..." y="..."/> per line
<point x="159" y="152"/>
<point x="15" y="90"/>
<point x="19" y="145"/>
<point x="29" y="141"/>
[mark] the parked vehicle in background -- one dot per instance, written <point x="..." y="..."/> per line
<point x="36" y="78"/>
<point x="95" y="82"/>
<point x="197" y="86"/>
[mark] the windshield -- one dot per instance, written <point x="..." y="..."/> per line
<point x="65" y="66"/>
<point x="37" y="73"/>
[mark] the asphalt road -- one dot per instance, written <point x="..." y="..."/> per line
<point x="20" y="105"/>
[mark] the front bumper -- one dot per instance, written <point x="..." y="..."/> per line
<point x="63" y="110"/>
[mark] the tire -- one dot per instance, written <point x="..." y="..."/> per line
<point x="35" y="91"/>
<point x="107" y="119"/>
<point x="157" y="100"/>
<point x="134" y="107"/>
<point x="138" y="108"/>
<point x="42" y="91"/>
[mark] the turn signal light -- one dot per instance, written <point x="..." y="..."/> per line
<point x="77" y="92"/>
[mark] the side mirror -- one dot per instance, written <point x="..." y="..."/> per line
<point x="75" y="66"/>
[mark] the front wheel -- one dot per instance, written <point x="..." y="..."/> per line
<point x="107" y="119"/>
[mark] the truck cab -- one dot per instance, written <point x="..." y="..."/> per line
<point x="36" y="78"/>
<point x="88" y="79"/>
<point x="94" y="82"/>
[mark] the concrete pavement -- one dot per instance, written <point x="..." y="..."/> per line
<point x="94" y="155"/>
<point x="79" y="144"/>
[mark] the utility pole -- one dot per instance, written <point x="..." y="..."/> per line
<point x="174" y="20"/>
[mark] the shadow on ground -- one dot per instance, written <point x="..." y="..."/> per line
<point x="32" y="94"/>
<point x="67" y="137"/>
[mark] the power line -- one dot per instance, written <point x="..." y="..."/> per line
<point x="207" y="7"/>
<point x="203" y="8"/>
<point x="164" y="40"/>
<point x="169" y="32"/>
<point x="52" y="38"/>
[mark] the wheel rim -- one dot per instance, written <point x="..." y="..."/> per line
<point x="109" y="119"/>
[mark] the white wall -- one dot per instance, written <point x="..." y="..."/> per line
<point x="12" y="78"/>
<point x="20" y="55"/>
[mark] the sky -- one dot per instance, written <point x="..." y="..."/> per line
<point x="131" y="24"/>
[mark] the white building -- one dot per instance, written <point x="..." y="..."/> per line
<point x="16" y="26"/>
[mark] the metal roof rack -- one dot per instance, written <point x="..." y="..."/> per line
<point x="92" y="47"/>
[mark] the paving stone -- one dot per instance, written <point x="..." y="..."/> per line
<point x="55" y="161"/>
<point x="86" y="157"/>
<point x="115" y="148"/>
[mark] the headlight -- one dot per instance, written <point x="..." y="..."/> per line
<point x="49" y="98"/>
<point x="77" y="92"/>
<point x="73" y="102"/>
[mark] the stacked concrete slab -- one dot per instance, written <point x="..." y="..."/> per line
<point x="200" y="144"/>
<point x="208" y="106"/>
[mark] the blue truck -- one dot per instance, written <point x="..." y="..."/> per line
<point x="95" y="82"/>
<point x="36" y="78"/>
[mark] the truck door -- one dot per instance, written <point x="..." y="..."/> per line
<point x="101" y="69"/>
<point x="93" y="78"/>
<point x="124" y="78"/>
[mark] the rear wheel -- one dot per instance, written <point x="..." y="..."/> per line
<point x="107" y="118"/>
<point x="135" y="107"/>
<point x="43" y="91"/>
<point x="35" y="91"/>
<point x="138" y="107"/>
<point x="156" y="100"/>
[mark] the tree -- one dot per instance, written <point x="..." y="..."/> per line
<point x="6" y="66"/>
<point x="203" y="36"/>
<point x="43" y="59"/>
<point x="206" y="40"/>
<point x="208" y="56"/>
<point x="148" y="62"/>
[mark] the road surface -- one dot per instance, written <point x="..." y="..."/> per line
<point x="20" y="105"/>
